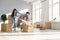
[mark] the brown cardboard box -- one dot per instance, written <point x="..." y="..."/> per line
<point x="10" y="21"/>
<point x="27" y="28"/>
<point x="42" y="28"/>
<point x="37" y="24"/>
<point x="6" y="27"/>
<point x="10" y="27"/>
<point x="30" y="29"/>
<point x="48" y="25"/>
<point x="9" y="17"/>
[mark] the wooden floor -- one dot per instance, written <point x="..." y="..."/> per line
<point x="41" y="35"/>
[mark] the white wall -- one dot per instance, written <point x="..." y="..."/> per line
<point x="45" y="11"/>
<point x="6" y="6"/>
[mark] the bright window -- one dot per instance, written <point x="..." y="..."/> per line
<point x="50" y="2"/>
<point x="36" y="11"/>
<point x="37" y="16"/>
<point x="50" y="13"/>
<point x="54" y="10"/>
<point x="54" y="1"/>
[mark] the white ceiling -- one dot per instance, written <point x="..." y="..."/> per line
<point x="34" y="0"/>
<point x="29" y="0"/>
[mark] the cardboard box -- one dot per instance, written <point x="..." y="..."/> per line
<point x="42" y="28"/>
<point x="9" y="17"/>
<point x="37" y="24"/>
<point x="30" y="29"/>
<point x="48" y="25"/>
<point x="27" y="28"/>
<point x="10" y="21"/>
<point x="6" y="27"/>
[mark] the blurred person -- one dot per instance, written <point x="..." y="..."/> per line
<point x="13" y="16"/>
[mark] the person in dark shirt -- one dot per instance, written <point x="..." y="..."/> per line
<point x="22" y="17"/>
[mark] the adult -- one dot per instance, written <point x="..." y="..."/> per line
<point x="22" y="17"/>
<point x="13" y="15"/>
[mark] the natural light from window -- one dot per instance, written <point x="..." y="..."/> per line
<point x="36" y="11"/>
<point x="54" y="10"/>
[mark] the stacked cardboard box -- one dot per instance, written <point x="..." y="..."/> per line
<point x="9" y="19"/>
<point x="7" y="27"/>
<point x="10" y="22"/>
